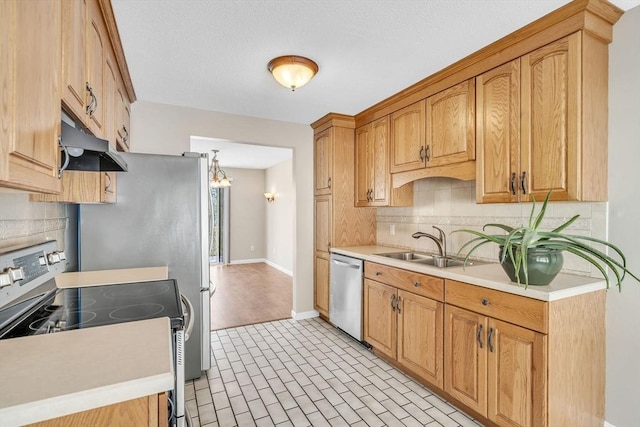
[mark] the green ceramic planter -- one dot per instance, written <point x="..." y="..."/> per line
<point x="543" y="265"/>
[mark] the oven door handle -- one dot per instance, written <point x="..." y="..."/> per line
<point x="189" y="317"/>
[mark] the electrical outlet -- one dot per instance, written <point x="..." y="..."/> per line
<point x="392" y="229"/>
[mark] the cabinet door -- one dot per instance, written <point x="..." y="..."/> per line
<point x="364" y="165"/>
<point x="550" y="128"/>
<point x="123" y="119"/>
<point x="420" y="336"/>
<point x="30" y="94"/>
<point x="517" y="369"/>
<point x="74" y="65"/>
<point x="380" y="177"/>
<point x="380" y="317"/>
<point x="408" y="138"/>
<point x="323" y="224"/>
<point x="498" y="134"/>
<point x="321" y="288"/>
<point x="450" y="121"/>
<point x="96" y="50"/>
<point x="323" y="159"/>
<point x="465" y="358"/>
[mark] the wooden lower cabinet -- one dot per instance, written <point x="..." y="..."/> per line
<point x="380" y="317"/>
<point x="420" y="331"/>
<point x="406" y="327"/>
<point x="321" y="293"/>
<point x="495" y="368"/>
<point x="148" y="411"/>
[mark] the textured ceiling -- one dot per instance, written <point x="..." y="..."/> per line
<point x="213" y="54"/>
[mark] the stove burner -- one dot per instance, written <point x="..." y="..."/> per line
<point x="133" y="291"/>
<point x="73" y="319"/>
<point x="136" y="312"/>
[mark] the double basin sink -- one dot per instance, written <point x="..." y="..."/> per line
<point x="428" y="259"/>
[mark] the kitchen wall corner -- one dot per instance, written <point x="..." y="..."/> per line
<point x="279" y="216"/>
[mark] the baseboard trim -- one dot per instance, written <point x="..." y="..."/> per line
<point x="248" y="261"/>
<point x="304" y="315"/>
<point x="277" y="267"/>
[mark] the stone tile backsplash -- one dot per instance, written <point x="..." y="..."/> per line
<point x="450" y="204"/>
<point x="24" y="223"/>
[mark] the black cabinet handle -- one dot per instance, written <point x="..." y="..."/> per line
<point x="398" y="305"/>
<point x="512" y="184"/>
<point x="428" y="153"/>
<point x="393" y="302"/>
<point x="422" y="154"/>
<point x="490" y="339"/>
<point x="523" y="182"/>
<point x="479" y="335"/>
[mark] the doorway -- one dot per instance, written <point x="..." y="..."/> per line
<point x="219" y="234"/>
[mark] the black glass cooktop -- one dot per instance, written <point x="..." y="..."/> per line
<point x="86" y="307"/>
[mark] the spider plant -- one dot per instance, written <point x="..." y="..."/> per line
<point x="517" y="242"/>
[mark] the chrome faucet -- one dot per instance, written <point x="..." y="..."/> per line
<point x="441" y="241"/>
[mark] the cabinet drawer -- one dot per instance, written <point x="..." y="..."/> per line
<point x="421" y="284"/>
<point x="526" y="312"/>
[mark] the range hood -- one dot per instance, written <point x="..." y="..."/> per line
<point x="84" y="152"/>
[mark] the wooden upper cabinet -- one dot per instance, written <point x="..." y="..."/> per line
<point x="373" y="180"/>
<point x="533" y="132"/>
<point x="450" y="122"/>
<point x="323" y="155"/>
<point x="549" y="131"/>
<point x="408" y="138"/>
<point x="498" y="134"/>
<point x="96" y="56"/>
<point x="323" y="222"/>
<point x="30" y="38"/>
<point x="74" y="64"/>
<point x="123" y="120"/>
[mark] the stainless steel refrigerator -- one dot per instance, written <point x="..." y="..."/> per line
<point x="161" y="217"/>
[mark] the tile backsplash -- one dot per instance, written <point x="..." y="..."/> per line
<point x="24" y="223"/>
<point x="450" y="204"/>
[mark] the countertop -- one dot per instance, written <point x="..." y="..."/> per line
<point x="110" y="277"/>
<point x="52" y="375"/>
<point x="490" y="275"/>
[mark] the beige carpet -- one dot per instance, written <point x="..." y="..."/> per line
<point x="249" y="293"/>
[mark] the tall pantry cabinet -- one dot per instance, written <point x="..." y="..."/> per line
<point x="337" y="222"/>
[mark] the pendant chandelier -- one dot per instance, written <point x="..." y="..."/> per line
<point x="217" y="177"/>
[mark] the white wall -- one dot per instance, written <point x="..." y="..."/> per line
<point x="623" y="309"/>
<point x="247" y="215"/>
<point x="167" y="129"/>
<point x="279" y="215"/>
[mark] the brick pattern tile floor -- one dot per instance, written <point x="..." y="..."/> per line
<point x="307" y="373"/>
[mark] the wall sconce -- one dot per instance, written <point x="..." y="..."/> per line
<point x="270" y="197"/>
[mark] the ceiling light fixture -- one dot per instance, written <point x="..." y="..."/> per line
<point x="217" y="177"/>
<point x="292" y="71"/>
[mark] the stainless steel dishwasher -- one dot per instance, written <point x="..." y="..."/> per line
<point x="345" y="298"/>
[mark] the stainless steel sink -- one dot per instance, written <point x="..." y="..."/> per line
<point x="428" y="259"/>
<point x="407" y="256"/>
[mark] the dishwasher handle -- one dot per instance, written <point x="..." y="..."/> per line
<point x="345" y="264"/>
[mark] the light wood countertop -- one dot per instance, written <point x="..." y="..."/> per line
<point x="52" y="375"/>
<point x="490" y="275"/>
<point x="110" y="277"/>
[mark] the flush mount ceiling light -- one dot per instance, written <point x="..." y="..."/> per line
<point x="217" y="177"/>
<point x="292" y="71"/>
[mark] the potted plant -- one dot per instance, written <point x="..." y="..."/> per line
<point x="534" y="257"/>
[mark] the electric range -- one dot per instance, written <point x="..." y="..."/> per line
<point x="30" y="304"/>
